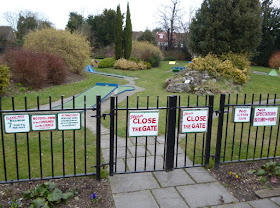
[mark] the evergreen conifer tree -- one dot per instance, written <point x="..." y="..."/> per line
<point x="127" y="35"/>
<point x="118" y="34"/>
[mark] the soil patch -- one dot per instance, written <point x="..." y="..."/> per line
<point x="236" y="179"/>
<point x="83" y="186"/>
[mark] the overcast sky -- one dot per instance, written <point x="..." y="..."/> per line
<point x="143" y="12"/>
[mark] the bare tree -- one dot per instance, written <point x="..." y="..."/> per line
<point x="170" y="17"/>
<point x="11" y="18"/>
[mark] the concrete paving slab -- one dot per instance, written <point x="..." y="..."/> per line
<point x="132" y="182"/>
<point x="235" y="205"/>
<point x="200" y="175"/>
<point x="208" y="194"/>
<point x="142" y="140"/>
<point x="141" y="151"/>
<point x="173" y="178"/>
<point x="159" y="149"/>
<point x="140" y="163"/>
<point x="120" y="166"/>
<point x="122" y="142"/>
<point x="169" y="197"/>
<point x="181" y="161"/>
<point x="138" y="199"/>
<point x="263" y="203"/>
<point x="276" y="200"/>
<point x="266" y="193"/>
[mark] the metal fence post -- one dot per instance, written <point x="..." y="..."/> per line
<point x="171" y="125"/>
<point x="209" y="130"/>
<point x="112" y="128"/>
<point x="98" y="133"/>
<point x="220" y="131"/>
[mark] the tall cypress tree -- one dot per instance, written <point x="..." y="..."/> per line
<point x="127" y="35"/>
<point x="118" y="34"/>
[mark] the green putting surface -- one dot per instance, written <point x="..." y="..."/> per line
<point x="91" y="93"/>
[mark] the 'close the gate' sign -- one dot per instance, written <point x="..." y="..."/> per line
<point x="143" y="123"/>
<point x="43" y="122"/>
<point x="194" y="120"/>
<point x="16" y="123"/>
<point x="265" y="116"/>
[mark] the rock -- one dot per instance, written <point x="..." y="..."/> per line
<point x="178" y="87"/>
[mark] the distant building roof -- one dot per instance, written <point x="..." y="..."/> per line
<point x="7" y="34"/>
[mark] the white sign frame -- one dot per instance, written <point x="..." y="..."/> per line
<point x="150" y="114"/>
<point x="26" y="122"/>
<point x="235" y="114"/>
<point x="254" y="123"/>
<point x="196" y="112"/>
<point x="77" y="127"/>
<point x="40" y="115"/>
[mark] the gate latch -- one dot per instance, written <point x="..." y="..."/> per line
<point x="105" y="114"/>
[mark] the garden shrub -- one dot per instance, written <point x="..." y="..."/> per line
<point x="107" y="63"/>
<point x="57" y="69"/>
<point x="239" y="60"/>
<point x="274" y="60"/>
<point x="73" y="48"/>
<point x="216" y="67"/>
<point x="27" y="67"/>
<point x="129" y="65"/>
<point x="35" y="69"/>
<point x="4" y="77"/>
<point x="149" y="66"/>
<point x="146" y="51"/>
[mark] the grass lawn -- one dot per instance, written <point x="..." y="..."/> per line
<point x="152" y="80"/>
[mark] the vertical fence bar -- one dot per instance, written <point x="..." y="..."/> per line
<point x="51" y="134"/>
<point x="98" y="134"/>
<point x="203" y="138"/>
<point x="241" y="135"/>
<point x="112" y="131"/>
<point x="257" y="130"/>
<point x="136" y="139"/>
<point x="233" y="137"/>
<point x="226" y="134"/>
<point x="27" y="143"/>
<point x="249" y="134"/>
<point x="126" y="134"/>
<point x="15" y="139"/>
<point x="270" y="135"/>
<point x="74" y="143"/>
<point x="220" y="131"/>
<point x="85" y="133"/>
<point x="264" y="130"/>
<point x="146" y="141"/>
<point x="186" y="140"/>
<point x="165" y="133"/>
<point x="40" y="144"/>
<point x="171" y="133"/>
<point x="116" y="136"/>
<point x="2" y="139"/>
<point x="155" y="152"/>
<point x="209" y="130"/>
<point x="178" y="130"/>
<point x="63" y="145"/>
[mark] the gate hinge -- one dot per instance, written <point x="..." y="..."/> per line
<point x="217" y="112"/>
<point x="105" y="114"/>
<point x="103" y="165"/>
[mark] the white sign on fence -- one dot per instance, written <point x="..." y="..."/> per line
<point x="265" y="116"/>
<point x="242" y="114"/>
<point x="16" y="123"/>
<point x="69" y="121"/>
<point x="43" y="122"/>
<point x="194" y="120"/>
<point x="143" y="123"/>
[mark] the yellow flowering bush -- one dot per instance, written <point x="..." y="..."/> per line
<point x="216" y="67"/>
<point x="73" y="48"/>
<point x="4" y="77"/>
<point x="129" y="65"/>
